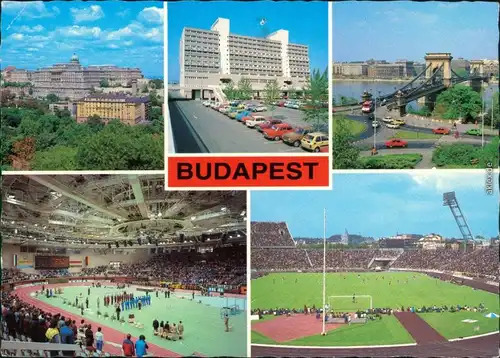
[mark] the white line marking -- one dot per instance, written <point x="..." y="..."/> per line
<point x="471" y="337"/>
<point x="335" y="347"/>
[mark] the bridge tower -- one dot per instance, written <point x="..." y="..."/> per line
<point x="477" y="69"/>
<point x="433" y="61"/>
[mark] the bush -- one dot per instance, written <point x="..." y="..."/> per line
<point x="391" y="161"/>
<point x="467" y="155"/>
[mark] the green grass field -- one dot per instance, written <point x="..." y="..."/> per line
<point x="355" y="127"/>
<point x="204" y="328"/>
<point x="404" y="134"/>
<point x="294" y="290"/>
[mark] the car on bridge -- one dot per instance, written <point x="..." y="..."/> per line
<point x="294" y="138"/>
<point x="251" y="123"/>
<point x="276" y="132"/>
<point x="399" y="121"/>
<point x="392" y="125"/>
<point x="473" y="131"/>
<point x="441" y="130"/>
<point x="396" y="143"/>
<point x="314" y="141"/>
<point x="268" y="124"/>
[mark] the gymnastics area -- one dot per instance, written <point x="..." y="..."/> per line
<point x="204" y="333"/>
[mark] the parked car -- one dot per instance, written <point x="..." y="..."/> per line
<point x="398" y="143"/>
<point x="251" y="123"/>
<point x="441" y="130"/>
<point x="473" y="131"/>
<point x="314" y="141"/>
<point x="233" y="114"/>
<point x="387" y="119"/>
<point x="277" y="131"/>
<point x="242" y="114"/>
<point x="294" y="138"/>
<point x="207" y="103"/>
<point x="268" y="124"/>
<point x="259" y="109"/>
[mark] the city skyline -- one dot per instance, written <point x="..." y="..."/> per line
<point x="246" y="20"/>
<point x="409" y="30"/>
<point x="39" y="34"/>
<point x="381" y="205"/>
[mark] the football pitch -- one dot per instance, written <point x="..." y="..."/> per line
<point x="385" y="290"/>
<point x="203" y="325"/>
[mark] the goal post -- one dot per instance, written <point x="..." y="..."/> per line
<point x="346" y="304"/>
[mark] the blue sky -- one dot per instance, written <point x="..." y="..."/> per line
<point x="407" y="30"/>
<point x="307" y="24"/>
<point x="126" y="34"/>
<point x="381" y="205"/>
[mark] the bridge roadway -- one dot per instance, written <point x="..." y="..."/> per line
<point x="198" y="129"/>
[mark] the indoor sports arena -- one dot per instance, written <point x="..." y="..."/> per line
<point x="116" y="259"/>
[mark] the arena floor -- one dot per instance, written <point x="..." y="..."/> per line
<point x="204" y="333"/>
<point x="294" y="290"/>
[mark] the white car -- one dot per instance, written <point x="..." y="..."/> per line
<point x="251" y="123"/>
<point x="260" y="109"/>
<point x="375" y="124"/>
<point x="387" y="119"/>
<point x="393" y="125"/>
<point x="207" y="103"/>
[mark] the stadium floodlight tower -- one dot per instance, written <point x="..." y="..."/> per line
<point x="450" y="199"/>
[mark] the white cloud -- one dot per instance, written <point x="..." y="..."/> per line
<point x="152" y="15"/>
<point x="34" y="10"/>
<point x="27" y="29"/>
<point x="449" y="180"/>
<point x="155" y="34"/>
<point x="113" y="46"/>
<point x="128" y="43"/>
<point x="136" y="30"/>
<point x="17" y="37"/>
<point x="79" y="31"/>
<point x="91" y="13"/>
<point x="123" y="13"/>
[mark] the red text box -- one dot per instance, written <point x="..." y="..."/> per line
<point x="199" y="172"/>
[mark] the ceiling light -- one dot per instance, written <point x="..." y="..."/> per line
<point x="208" y="239"/>
<point x="238" y="235"/>
<point x="15" y="231"/>
<point x="12" y="222"/>
<point x="45" y="240"/>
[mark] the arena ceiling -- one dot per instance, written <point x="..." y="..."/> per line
<point x="105" y="209"/>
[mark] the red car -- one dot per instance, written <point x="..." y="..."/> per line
<point x="268" y="124"/>
<point x="276" y="132"/>
<point x="325" y="149"/>
<point x="441" y="130"/>
<point x="396" y="143"/>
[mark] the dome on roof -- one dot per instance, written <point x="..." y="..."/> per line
<point x="74" y="58"/>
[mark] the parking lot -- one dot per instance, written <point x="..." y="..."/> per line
<point x="200" y="129"/>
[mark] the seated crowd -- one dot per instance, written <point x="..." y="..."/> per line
<point x="267" y="234"/>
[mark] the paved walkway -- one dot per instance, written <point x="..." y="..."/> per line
<point x="420" y="330"/>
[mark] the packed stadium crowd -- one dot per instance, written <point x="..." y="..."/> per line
<point x="225" y="266"/>
<point x="273" y="248"/>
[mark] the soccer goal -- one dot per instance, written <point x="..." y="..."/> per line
<point x="347" y="304"/>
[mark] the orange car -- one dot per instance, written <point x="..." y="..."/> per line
<point x="396" y="143"/>
<point x="441" y="130"/>
<point x="276" y="132"/>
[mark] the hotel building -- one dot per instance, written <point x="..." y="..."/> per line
<point x="210" y="58"/>
<point x="129" y="110"/>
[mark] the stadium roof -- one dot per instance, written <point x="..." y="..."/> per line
<point x="101" y="209"/>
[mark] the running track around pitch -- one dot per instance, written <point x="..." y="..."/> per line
<point x="114" y="338"/>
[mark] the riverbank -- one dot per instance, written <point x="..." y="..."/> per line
<point x="401" y="80"/>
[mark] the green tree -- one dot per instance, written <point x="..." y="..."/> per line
<point x="56" y="158"/>
<point x="230" y="91"/>
<point x="145" y="88"/>
<point x="345" y="153"/>
<point x="95" y="123"/>
<point x="156" y="83"/>
<point x="458" y="102"/>
<point x="271" y="95"/>
<point x="245" y="90"/>
<point x="316" y="95"/>
<point x="104" y="82"/>
<point x="52" y="98"/>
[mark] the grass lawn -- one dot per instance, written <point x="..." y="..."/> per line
<point x="450" y="325"/>
<point x="355" y="127"/>
<point x="261" y="339"/>
<point x="391" y="161"/>
<point x="402" y="134"/>
<point x="386" y="331"/>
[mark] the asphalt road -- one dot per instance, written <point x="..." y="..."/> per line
<point x="198" y="129"/>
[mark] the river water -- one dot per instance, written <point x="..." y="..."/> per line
<point x="355" y="89"/>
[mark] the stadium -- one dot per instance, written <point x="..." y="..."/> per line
<point x="380" y="301"/>
<point x="89" y="259"/>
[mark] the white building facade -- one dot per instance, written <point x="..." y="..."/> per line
<point x="210" y="58"/>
